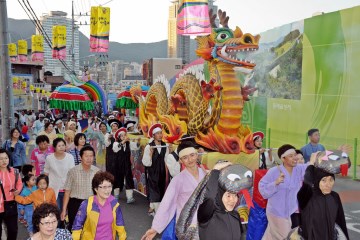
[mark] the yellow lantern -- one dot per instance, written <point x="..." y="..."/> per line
<point x="32" y="88"/>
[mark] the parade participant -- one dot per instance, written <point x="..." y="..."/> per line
<point x="56" y="167"/>
<point x="69" y="136"/>
<point x="43" y="194"/>
<point x="265" y="155"/>
<point x="130" y="126"/>
<point x="79" y="141"/>
<point x="59" y="128"/>
<point x="123" y="147"/>
<point x="45" y="220"/>
<point x="178" y="192"/>
<point x="111" y="156"/>
<point x="100" y="217"/>
<point x="78" y="184"/>
<point x="320" y="207"/>
<point x="9" y="188"/>
<point x="300" y="156"/>
<point x="280" y="186"/>
<point x="38" y="125"/>
<point x="72" y="126"/>
<point x="172" y="160"/>
<point x="24" y="134"/>
<point x="101" y="153"/>
<point x="157" y="176"/>
<point x="216" y="215"/>
<point x="313" y="146"/>
<point x="49" y="115"/>
<point x="16" y="149"/>
<point x="49" y="132"/>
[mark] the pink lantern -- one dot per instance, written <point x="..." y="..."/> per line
<point x="193" y="18"/>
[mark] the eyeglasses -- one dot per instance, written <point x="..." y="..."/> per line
<point x="105" y="187"/>
<point x="48" y="224"/>
<point x="187" y="156"/>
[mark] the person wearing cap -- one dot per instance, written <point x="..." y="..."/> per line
<point x="130" y="126"/>
<point x="280" y="186"/>
<point x="74" y="126"/>
<point x="320" y="207"/>
<point x="123" y="147"/>
<point x="111" y="156"/>
<point x="178" y="192"/>
<point x="313" y="146"/>
<point x="217" y="216"/>
<point x="265" y="155"/>
<point x="59" y="128"/>
<point x="156" y="173"/>
<point x="38" y="125"/>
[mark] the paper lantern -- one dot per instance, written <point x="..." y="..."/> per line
<point x="59" y="42"/>
<point x="37" y="48"/>
<point x="32" y="88"/>
<point x="12" y="52"/>
<point x="37" y="90"/>
<point x="23" y="50"/>
<point x="193" y="18"/>
<point x="99" y="29"/>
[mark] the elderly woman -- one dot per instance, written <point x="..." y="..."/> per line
<point x="45" y="221"/>
<point x="16" y="148"/>
<point x="10" y="187"/>
<point x="100" y="216"/>
<point x="49" y="132"/>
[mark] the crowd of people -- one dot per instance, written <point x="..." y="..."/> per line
<point x="69" y="186"/>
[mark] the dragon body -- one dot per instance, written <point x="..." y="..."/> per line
<point x="186" y="107"/>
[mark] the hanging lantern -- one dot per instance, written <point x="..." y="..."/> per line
<point x="23" y="49"/>
<point x="37" y="90"/>
<point x="32" y="88"/>
<point x="59" y="42"/>
<point x="12" y="52"/>
<point x="37" y="48"/>
<point x="99" y="29"/>
<point x="15" y="82"/>
<point x="23" y="85"/>
<point x="193" y="18"/>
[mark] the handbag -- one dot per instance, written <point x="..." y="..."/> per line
<point x="10" y="207"/>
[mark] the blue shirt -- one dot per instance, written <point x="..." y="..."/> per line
<point x="309" y="148"/>
<point x="18" y="156"/>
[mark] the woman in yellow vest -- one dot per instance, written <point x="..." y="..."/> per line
<point x="100" y="217"/>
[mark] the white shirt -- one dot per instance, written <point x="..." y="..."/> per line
<point x="172" y="164"/>
<point x="147" y="159"/>
<point x="57" y="170"/>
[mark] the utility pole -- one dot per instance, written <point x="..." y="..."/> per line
<point x="7" y="99"/>
<point x="72" y="37"/>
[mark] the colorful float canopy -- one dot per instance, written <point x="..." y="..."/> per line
<point x="69" y="97"/>
<point x="124" y="99"/>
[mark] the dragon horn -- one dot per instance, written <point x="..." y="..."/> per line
<point x="212" y="19"/>
<point x="223" y="19"/>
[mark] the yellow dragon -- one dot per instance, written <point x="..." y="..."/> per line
<point x="185" y="108"/>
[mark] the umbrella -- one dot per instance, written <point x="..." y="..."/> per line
<point x="124" y="99"/>
<point x="69" y="97"/>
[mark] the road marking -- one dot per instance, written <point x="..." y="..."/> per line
<point x="351" y="227"/>
<point x="357" y="211"/>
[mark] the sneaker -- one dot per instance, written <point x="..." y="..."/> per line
<point x="131" y="200"/>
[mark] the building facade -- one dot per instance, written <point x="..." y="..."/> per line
<point x="54" y="65"/>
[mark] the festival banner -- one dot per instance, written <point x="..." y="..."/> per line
<point x="12" y="52"/>
<point x="37" y="48"/>
<point x="99" y="29"/>
<point x="59" y="42"/>
<point x="193" y="18"/>
<point x="23" y="50"/>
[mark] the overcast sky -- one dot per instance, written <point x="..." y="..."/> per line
<point x="146" y="20"/>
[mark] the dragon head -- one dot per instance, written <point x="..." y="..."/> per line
<point x="174" y="128"/>
<point x="208" y="89"/>
<point x="226" y="45"/>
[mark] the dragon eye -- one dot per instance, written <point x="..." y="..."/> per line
<point x="222" y="36"/>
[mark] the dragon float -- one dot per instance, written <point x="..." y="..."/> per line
<point x="209" y="109"/>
